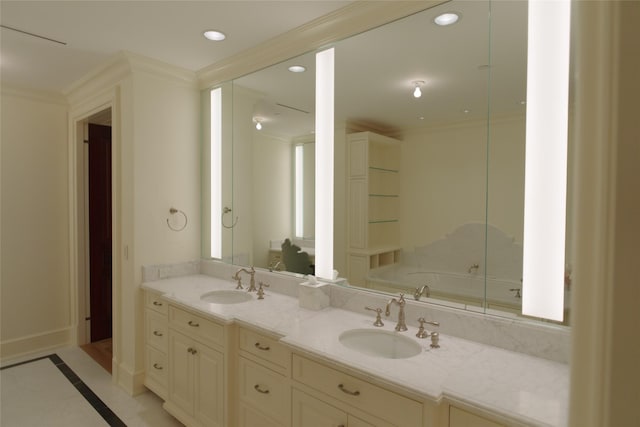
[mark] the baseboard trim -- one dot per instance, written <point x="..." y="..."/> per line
<point x="37" y="343"/>
<point x="132" y="382"/>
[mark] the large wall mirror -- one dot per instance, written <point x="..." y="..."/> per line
<point x="429" y="190"/>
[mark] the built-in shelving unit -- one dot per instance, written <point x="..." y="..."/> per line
<point x="374" y="202"/>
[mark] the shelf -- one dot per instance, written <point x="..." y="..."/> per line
<point x="373" y="168"/>
<point x="383" y="195"/>
<point x="383" y="221"/>
<point x="384" y="258"/>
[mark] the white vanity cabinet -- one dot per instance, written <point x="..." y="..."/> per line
<point x="263" y="380"/>
<point x="462" y="418"/>
<point x="374" y="203"/>
<point x="197" y="386"/>
<point x="156" y="344"/>
<point x="326" y="396"/>
<point x="309" y="411"/>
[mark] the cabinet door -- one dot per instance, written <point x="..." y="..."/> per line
<point x="209" y="385"/>
<point x="249" y="417"/>
<point x="357" y="422"/>
<point x="311" y="412"/>
<point x="181" y="371"/>
<point x="460" y="418"/>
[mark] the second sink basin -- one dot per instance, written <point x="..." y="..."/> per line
<point x="226" y="297"/>
<point x="389" y="345"/>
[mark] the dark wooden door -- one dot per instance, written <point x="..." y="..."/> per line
<point x="100" y="231"/>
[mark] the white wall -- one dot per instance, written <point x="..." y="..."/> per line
<point x="36" y="310"/>
<point x="164" y="168"/>
<point x="605" y="316"/>
<point x="156" y="167"/>
<point x="443" y="179"/>
<point x="272" y="193"/>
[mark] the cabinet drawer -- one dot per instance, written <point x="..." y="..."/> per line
<point x="156" y="371"/>
<point x="156" y="330"/>
<point x="264" y="389"/>
<point x="264" y="347"/>
<point x="154" y="302"/>
<point x="207" y="331"/>
<point x="357" y="393"/>
<point x="249" y="417"/>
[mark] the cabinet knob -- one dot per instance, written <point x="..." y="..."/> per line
<point x="157" y="333"/>
<point x="192" y="350"/>
<point x="194" y="324"/>
<point x="156" y="303"/>
<point x="158" y="367"/>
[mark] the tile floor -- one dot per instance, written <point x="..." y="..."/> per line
<point x="42" y="393"/>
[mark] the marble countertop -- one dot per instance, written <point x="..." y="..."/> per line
<point x="524" y="388"/>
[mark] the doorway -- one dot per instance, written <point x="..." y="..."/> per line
<point x="98" y="217"/>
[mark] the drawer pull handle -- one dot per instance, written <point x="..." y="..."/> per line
<point x="259" y="347"/>
<point x="156" y="303"/>
<point x="158" y="367"/>
<point x="349" y="392"/>
<point x="192" y="350"/>
<point x="157" y="333"/>
<point x="194" y="324"/>
<point x="259" y="390"/>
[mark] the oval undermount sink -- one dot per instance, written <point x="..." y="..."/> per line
<point x="389" y="345"/>
<point x="226" y="297"/>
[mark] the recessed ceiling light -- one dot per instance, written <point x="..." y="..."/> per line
<point x="297" y="69"/>
<point x="448" y="18"/>
<point x="214" y="35"/>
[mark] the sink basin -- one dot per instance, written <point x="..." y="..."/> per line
<point x="389" y="345"/>
<point x="226" y="297"/>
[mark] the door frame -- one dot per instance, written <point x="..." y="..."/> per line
<point x="78" y="226"/>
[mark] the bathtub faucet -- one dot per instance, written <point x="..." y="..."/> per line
<point x="424" y="289"/>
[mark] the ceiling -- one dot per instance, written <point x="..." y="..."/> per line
<point x="469" y="70"/>
<point x="169" y="31"/>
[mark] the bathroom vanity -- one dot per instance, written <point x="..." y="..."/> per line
<point x="272" y="362"/>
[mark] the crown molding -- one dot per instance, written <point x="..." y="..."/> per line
<point x="122" y="65"/>
<point x="353" y="19"/>
<point x="139" y="63"/>
<point x="101" y="78"/>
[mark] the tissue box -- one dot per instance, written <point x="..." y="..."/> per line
<point x="313" y="296"/>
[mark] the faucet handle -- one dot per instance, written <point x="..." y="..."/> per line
<point x="261" y="291"/>
<point x="378" y="321"/>
<point x="434" y="340"/>
<point x="422" y="333"/>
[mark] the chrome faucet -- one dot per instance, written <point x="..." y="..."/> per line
<point x="402" y="324"/>
<point x="424" y="289"/>
<point x="252" y="280"/>
<point x="276" y="265"/>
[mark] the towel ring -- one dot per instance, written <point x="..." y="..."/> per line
<point x="174" y="211"/>
<point x="227" y="210"/>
